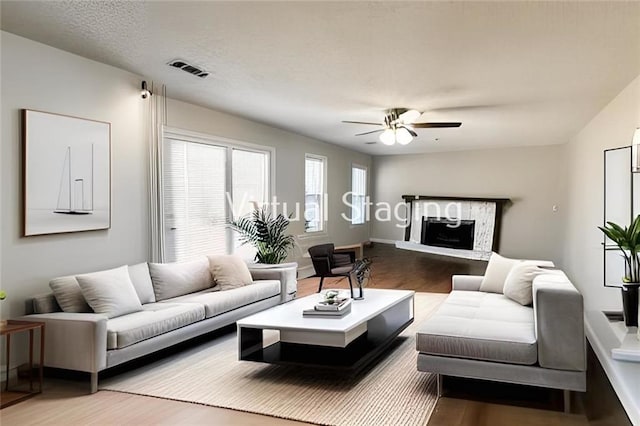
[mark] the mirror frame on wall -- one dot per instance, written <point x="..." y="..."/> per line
<point x="618" y="159"/>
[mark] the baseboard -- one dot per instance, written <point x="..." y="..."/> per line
<point x="382" y="241"/>
<point x="306" y="272"/>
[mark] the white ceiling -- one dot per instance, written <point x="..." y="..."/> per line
<point x="514" y="73"/>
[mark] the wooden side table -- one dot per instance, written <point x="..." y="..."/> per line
<point x="7" y="328"/>
<point x="358" y="248"/>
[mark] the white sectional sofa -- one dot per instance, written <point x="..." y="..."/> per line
<point x="538" y="341"/>
<point x="176" y="302"/>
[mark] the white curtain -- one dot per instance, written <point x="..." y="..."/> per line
<point x="156" y="119"/>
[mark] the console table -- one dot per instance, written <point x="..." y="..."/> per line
<point x="624" y="376"/>
<point x="7" y="329"/>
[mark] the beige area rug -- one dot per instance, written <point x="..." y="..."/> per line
<point x="391" y="392"/>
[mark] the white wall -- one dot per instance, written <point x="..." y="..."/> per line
<point x="35" y="76"/>
<point x="612" y="127"/>
<point x="290" y="152"/>
<point x="530" y="176"/>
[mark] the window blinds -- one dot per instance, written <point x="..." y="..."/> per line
<point x="314" y="191"/>
<point x="196" y="181"/>
<point x="358" y="194"/>
<point x="194" y="199"/>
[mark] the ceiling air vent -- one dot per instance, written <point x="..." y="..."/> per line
<point x="185" y="66"/>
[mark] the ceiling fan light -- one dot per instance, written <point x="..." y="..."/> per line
<point x="410" y="116"/>
<point x="403" y="137"/>
<point x="388" y="137"/>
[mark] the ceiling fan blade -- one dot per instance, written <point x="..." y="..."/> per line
<point x="433" y="125"/>
<point x="368" y="133"/>
<point x="409" y="116"/>
<point x="410" y="130"/>
<point x="361" y="122"/>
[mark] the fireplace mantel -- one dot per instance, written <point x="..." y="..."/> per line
<point x="488" y="210"/>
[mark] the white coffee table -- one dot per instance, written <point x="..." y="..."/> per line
<point x="346" y="343"/>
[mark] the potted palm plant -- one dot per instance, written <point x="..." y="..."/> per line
<point x="628" y="241"/>
<point x="267" y="232"/>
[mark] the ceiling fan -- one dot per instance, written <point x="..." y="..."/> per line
<point x="398" y="126"/>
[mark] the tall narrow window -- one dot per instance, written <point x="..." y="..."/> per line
<point x="204" y="186"/>
<point x="250" y="182"/>
<point x="314" y="189"/>
<point x="358" y="194"/>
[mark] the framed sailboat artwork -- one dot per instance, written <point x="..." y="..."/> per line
<point x="67" y="173"/>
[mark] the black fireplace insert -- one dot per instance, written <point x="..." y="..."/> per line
<point x="456" y="234"/>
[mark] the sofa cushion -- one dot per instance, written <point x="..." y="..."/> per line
<point x="219" y="302"/>
<point x="70" y="299"/>
<point x="141" y="280"/>
<point x="153" y="320"/>
<point x="497" y="271"/>
<point x="68" y="294"/>
<point x="110" y="292"/>
<point x="229" y="271"/>
<point x="499" y="268"/>
<point x="176" y="279"/>
<point x="43" y="304"/>
<point x="478" y="325"/>
<point x="518" y="284"/>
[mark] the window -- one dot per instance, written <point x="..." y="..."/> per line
<point x="204" y="185"/>
<point x="358" y="194"/>
<point x="314" y="189"/>
<point x="250" y="170"/>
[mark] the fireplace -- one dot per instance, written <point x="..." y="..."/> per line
<point x="480" y="218"/>
<point x="455" y="234"/>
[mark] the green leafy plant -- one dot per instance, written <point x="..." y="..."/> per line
<point x="628" y="241"/>
<point x="267" y="233"/>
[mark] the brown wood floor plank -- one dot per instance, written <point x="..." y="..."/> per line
<point x="67" y="403"/>
<point x="460" y="412"/>
<point x="404" y="269"/>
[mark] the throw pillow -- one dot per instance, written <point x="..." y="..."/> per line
<point x="141" y="280"/>
<point x="496" y="273"/>
<point x="110" y="292"/>
<point x="229" y="271"/>
<point x="180" y="278"/>
<point x="68" y="294"/>
<point x="519" y="282"/>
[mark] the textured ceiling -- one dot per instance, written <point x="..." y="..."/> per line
<point x="514" y="73"/>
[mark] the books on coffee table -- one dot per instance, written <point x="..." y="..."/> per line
<point x="326" y="306"/>
<point x="324" y="309"/>
<point x="327" y="314"/>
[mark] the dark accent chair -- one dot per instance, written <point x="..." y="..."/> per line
<point x="327" y="263"/>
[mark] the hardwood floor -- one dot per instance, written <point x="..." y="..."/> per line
<point x="404" y="269"/>
<point x="67" y="403"/>
<point x="466" y="403"/>
<point x="464" y="412"/>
